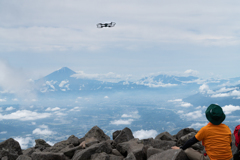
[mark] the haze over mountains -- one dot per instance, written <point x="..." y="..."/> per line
<point x="67" y="102"/>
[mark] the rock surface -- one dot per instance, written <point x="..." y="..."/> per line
<point x="98" y="146"/>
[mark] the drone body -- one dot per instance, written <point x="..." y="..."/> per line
<point x="101" y="25"/>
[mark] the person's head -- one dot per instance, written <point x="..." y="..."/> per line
<point x="214" y="114"/>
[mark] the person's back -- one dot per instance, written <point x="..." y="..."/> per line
<point x="217" y="141"/>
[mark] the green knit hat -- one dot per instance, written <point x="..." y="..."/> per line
<point x="214" y="114"/>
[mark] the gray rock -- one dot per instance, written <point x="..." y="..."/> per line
<point x="184" y="132"/>
<point x="115" y="134"/>
<point x="165" y="136"/>
<point x="48" y="156"/>
<point x="124" y="136"/>
<point x="116" y="152"/>
<point x="96" y="148"/>
<point x="4" y="154"/>
<point x="97" y="133"/>
<point x="73" y="140"/>
<point x="162" y="144"/>
<point x="41" y="144"/>
<point x="131" y="146"/>
<point x="100" y="156"/>
<point x="4" y="158"/>
<point x="57" y="147"/>
<point x="24" y="157"/>
<point x="114" y="157"/>
<point x="70" y="151"/>
<point x="151" y="151"/>
<point x="28" y="152"/>
<point x="171" y="154"/>
<point x="11" y="146"/>
<point x="130" y="156"/>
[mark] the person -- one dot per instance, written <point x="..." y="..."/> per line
<point x="215" y="137"/>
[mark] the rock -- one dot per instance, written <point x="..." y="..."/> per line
<point x="41" y="144"/>
<point x="90" y="142"/>
<point x="115" y="134"/>
<point x="96" y="133"/>
<point x="73" y="140"/>
<point x="131" y="146"/>
<point x="144" y="150"/>
<point x="57" y="147"/>
<point x="70" y="151"/>
<point x="24" y="157"/>
<point x="48" y="156"/>
<point x="165" y="136"/>
<point x="114" y="157"/>
<point x="96" y="148"/>
<point x="124" y="136"/>
<point x="184" y="132"/>
<point x="130" y="156"/>
<point x="171" y="154"/>
<point x="11" y="146"/>
<point x="100" y="156"/>
<point x="116" y="152"/>
<point x="5" y="154"/>
<point x="4" y="158"/>
<point x="151" y="151"/>
<point x="28" y="152"/>
<point x="162" y="144"/>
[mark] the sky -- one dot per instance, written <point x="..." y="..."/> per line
<point x="168" y="36"/>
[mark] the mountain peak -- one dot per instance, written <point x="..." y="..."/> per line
<point x="60" y="74"/>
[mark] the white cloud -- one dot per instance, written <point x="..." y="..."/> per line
<point x="3" y="100"/>
<point x="76" y="109"/>
<point x="25" y="142"/>
<point x="180" y="112"/>
<point x="197" y="125"/>
<point x="131" y="115"/>
<point x="150" y="82"/>
<point x="194" y="115"/>
<point x="25" y="115"/>
<point x="122" y="122"/>
<point x="43" y="130"/>
<point x="205" y="89"/>
<point x="63" y="83"/>
<point x="228" y="109"/>
<point x="191" y="72"/>
<point x="144" y="134"/>
<point x="180" y="102"/>
<point x="33" y="123"/>
<point x="3" y="132"/>
<point x="224" y="89"/>
<point x="52" y="109"/>
<point x="9" y="108"/>
<point x="106" y="97"/>
<point x="232" y="93"/>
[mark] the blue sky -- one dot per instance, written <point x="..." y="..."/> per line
<point x="170" y="36"/>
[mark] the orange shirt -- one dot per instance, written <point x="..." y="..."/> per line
<point x="216" y="139"/>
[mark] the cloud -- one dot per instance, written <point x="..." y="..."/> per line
<point x="76" y="109"/>
<point x="197" y="125"/>
<point x="13" y="80"/>
<point x="180" y="102"/>
<point x="191" y="72"/>
<point x="43" y="130"/>
<point x="3" y="100"/>
<point x="9" y="108"/>
<point x="131" y="115"/>
<point x="52" y="109"/>
<point x="25" y="142"/>
<point x="24" y="115"/>
<point x="63" y="83"/>
<point x="228" y="109"/>
<point x="110" y="77"/>
<point x="106" y="97"/>
<point x="3" y="132"/>
<point x="144" y="134"/>
<point x="232" y="93"/>
<point x="205" y="89"/>
<point x="150" y="82"/>
<point x="122" y="122"/>
<point x="194" y="115"/>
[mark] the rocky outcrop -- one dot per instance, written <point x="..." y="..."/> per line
<point x="96" y="145"/>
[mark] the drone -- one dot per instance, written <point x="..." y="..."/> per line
<point x="101" y="25"/>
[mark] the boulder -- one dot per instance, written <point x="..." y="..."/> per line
<point x="115" y="134"/>
<point x="57" y="147"/>
<point x="131" y="146"/>
<point x="73" y="140"/>
<point x="100" y="156"/>
<point x="11" y="146"/>
<point x="70" y="151"/>
<point x="114" y="157"/>
<point x="151" y="151"/>
<point x="171" y="154"/>
<point x="163" y="144"/>
<point x="124" y="136"/>
<point x="165" y="136"/>
<point x="97" y="134"/>
<point x="184" y="132"/>
<point x="28" y="152"/>
<point x="116" y="152"/>
<point x="48" y="156"/>
<point x="130" y="156"/>
<point x="24" y="157"/>
<point x="41" y="144"/>
<point x="5" y="154"/>
<point x="96" y="148"/>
